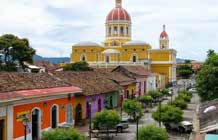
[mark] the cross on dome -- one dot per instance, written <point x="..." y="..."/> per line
<point x="118" y="3"/>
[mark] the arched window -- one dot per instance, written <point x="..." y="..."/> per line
<point x="134" y="58"/>
<point x="107" y="59"/>
<point x="121" y="30"/>
<point x="54" y="116"/>
<point x="163" y="46"/>
<point x="127" y="30"/>
<point x="115" y="30"/>
<point x="109" y="30"/>
<point x="83" y="57"/>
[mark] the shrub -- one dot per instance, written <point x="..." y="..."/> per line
<point x="151" y="132"/>
<point x="62" y="134"/>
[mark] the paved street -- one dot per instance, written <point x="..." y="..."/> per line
<point x="147" y="119"/>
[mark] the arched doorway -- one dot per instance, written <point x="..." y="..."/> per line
<point x="36" y="124"/>
<point x="69" y="112"/>
<point x="54" y="116"/>
<point x="99" y="105"/>
<point x="78" y="117"/>
<point x="134" y="59"/>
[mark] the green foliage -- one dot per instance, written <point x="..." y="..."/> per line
<point x="168" y="114"/>
<point x="165" y="91"/>
<point x="14" y="50"/>
<point x="155" y="94"/>
<point x="185" y="95"/>
<point x="146" y="99"/>
<point x="106" y="118"/>
<point x="78" y="66"/>
<point x="179" y="102"/>
<point x="62" y="134"/>
<point x="152" y="132"/>
<point x="185" y="70"/>
<point x="207" y="78"/>
<point x="131" y="107"/>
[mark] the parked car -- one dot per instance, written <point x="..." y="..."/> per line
<point x="182" y="127"/>
<point x="193" y="90"/>
<point x="119" y="127"/>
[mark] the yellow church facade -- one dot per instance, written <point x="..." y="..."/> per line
<point x="119" y="48"/>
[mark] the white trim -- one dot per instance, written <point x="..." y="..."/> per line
<point x="10" y="122"/>
<point x="57" y="117"/>
<point x="39" y="121"/>
<point x="162" y="62"/>
<point x="114" y="38"/>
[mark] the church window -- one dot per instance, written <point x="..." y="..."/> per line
<point x="92" y="50"/>
<point x="109" y="31"/>
<point x="83" y="57"/>
<point x="115" y="30"/>
<point x="126" y="50"/>
<point x="84" y="50"/>
<point x="163" y="46"/>
<point x="121" y="30"/>
<point x="143" y="49"/>
<point x="127" y="30"/>
<point x="134" y="49"/>
<point x="134" y="58"/>
<point x="75" y="50"/>
<point x="108" y="59"/>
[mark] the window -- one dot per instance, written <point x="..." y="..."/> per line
<point x="109" y="30"/>
<point x="83" y="57"/>
<point x="134" y="59"/>
<point x="84" y="50"/>
<point x="143" y="49"/>
<point x="121" y="30"/>
<point x="69" y="114"/>
<point x="126" y="50"/>
<point x="163" y="46"/>
<point x="134" y="49"/>
<point x="92" y="50"/>
<point x="127" y="30"/>
<point x="115" y="30"/>
<point x="108" y="59"/>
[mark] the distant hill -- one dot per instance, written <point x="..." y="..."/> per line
<point x="54" y="60"/>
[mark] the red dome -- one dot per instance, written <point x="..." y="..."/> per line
<point x="118" y="13"/>
<point x="163" y="34"/>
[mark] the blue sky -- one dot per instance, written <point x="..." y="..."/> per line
<point x="53" y="26"/>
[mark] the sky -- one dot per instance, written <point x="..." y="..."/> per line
<point x="53" y="26"/>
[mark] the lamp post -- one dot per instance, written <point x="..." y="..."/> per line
<point x="137" y="124"/>
<point x="25" y="123"/>
<point x="171" y="96"/>
<point x="90" y="120"/>
<point x="160" y="112"/>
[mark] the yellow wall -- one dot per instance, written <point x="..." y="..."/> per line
<point x="5" y="127"/>
<point x="160" y="56"/>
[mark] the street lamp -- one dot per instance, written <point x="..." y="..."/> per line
<point x="171" y="96"/>
<point x="137" y="123"/>
<point x="25" y="124"/>
<point x="90" y="120"/>
<point x="159" y="100"/>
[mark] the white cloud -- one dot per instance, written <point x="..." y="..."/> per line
<point x="52" y="26"/>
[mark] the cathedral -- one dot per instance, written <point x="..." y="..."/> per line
<point x="119" y="48"/>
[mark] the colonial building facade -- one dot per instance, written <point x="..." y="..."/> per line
<point x="119" y="48"/>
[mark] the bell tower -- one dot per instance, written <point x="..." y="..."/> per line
<point x="164" y="39"/>
<point x="118" y="3"/>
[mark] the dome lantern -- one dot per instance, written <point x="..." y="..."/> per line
<point x="118" y="3"/>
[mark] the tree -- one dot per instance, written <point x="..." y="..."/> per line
<point x="168" y="114"/>
<point x="165" y="91"/>
<point x="146" y="100"/>
<point x="207" y="78"/>
<point x="15" y="50"/>
<point x="62" y="134"/>
<point x="179" y="102"/>
<point x="131" y="107"/>
<point x="78" y="66"/>
<point x="155" y="94"/>
<point x="152" y="132"/>
<point x="106" y="118"/>
<point x="185" y="70"/>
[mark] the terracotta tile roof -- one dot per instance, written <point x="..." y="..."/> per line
<point x="137" y="70"/>
<point x="116" y="76"/>
<point x="47" y="65"/>
<point x="91" y="82"/>
<point x="26" y="81"/>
